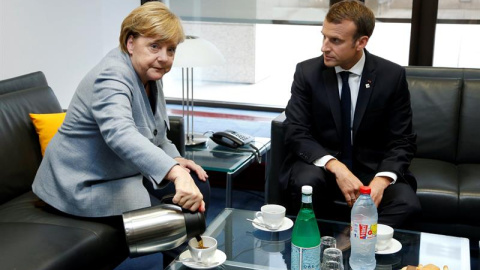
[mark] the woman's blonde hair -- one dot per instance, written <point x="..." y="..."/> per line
<point x="152" y="19"/>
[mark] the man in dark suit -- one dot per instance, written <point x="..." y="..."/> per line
<point x="349" y="123"/>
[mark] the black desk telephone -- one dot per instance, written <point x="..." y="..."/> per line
<point x="231" y="138"/>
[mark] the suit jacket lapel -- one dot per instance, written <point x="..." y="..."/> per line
<point x="331" y="87"/>
<point x="366" y="88"/>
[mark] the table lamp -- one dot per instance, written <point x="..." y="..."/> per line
<point x="194" y="52"/>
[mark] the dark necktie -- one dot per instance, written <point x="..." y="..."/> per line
<point x="346" y="106"/>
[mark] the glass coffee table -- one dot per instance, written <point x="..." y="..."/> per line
<point x="214" y="157"/>
<point x="247" y="247"/>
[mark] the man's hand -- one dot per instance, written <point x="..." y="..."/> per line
<point x="187" y="194"/>
<point x="348" y="183"/>
<point x="191" y="165"/>
<point x="377" y="186"/>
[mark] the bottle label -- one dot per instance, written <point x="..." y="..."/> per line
<point x="363" y="231"/>
<point x="305" y="258"/>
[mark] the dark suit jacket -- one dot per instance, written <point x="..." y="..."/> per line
<point x="383" y="138"/>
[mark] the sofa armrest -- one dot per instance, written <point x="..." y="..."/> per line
<point x="278" y="153"/>
<point x="176" y="133"/>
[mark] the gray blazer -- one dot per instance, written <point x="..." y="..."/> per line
<point x="109" y="141"/>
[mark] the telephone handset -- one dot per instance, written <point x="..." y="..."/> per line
<point x="231" y="138"/>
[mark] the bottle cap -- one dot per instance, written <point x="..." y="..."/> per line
<point x="365" y="190"/>
<point x="307" y="190"/>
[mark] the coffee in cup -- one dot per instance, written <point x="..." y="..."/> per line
<point x="384" y="237"/>
<point x="203" y="253"/>
<point x="271" y="215"/>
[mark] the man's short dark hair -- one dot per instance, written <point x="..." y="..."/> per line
<point x="355" y="11"/>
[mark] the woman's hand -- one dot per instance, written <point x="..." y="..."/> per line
<point x="191" y="165"/>
<point x="187" y="194"/>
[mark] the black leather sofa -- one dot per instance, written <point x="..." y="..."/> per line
<point x="33" y="237"/>
<point x="446" y="118"/>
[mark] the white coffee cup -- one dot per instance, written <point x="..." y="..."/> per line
<point x="384" y="237"/>
<point x="204" y="255"/>
<point x="272" y="215"/>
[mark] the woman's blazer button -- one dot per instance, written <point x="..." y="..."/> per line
<point x="155" y="132"/>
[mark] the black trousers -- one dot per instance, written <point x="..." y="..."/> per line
<point x="398" y="205"/>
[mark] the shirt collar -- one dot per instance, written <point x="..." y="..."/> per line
<point x="357" y="69"/>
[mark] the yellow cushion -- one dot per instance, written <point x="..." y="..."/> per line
<point x="46" y="126"/>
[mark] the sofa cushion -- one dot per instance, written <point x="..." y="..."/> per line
<point x="176" y="133"/>
<point x="278" y="152"/>
<point x="469" y="177"/>
<point x="41" y="238"/>
<point x="469" y="133"/>
<point x="435" y="106"/>
<point x="19" y="139"/>
<point x="35" y="79"/>
<point x="434" y="72"/>
<point x="37" y="246"/>
<point x="471" y="73"/>
<point x="437" y="188"/>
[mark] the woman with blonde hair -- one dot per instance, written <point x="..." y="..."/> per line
<point x="112" y="153"/>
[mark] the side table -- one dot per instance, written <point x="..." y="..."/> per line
<point x="214" y="157"/>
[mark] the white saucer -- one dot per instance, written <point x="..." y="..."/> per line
<point x="286" y="224"/>
<point x="219" y="258"/>
<point x="394" y="247"/>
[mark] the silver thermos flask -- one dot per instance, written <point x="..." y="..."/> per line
<point x="160" y="228"/>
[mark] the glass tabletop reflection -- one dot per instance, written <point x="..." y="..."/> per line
<point x="214" y="157"/>
<point x="247" y="247"/>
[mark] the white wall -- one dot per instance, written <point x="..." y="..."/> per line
<point x="62" y="38"/>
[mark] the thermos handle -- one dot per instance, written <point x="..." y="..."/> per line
<point x="191" y="218"/>
<point x="167" y="199"/>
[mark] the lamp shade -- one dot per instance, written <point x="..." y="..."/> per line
<point x="197" y="52"/>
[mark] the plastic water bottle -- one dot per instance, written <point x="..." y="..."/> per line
<point x="306" y="236"/>
<point x="363" y="232"/>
